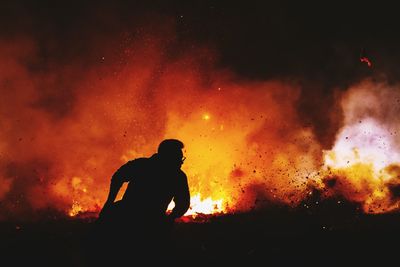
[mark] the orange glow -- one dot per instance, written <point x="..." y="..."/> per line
<point x="203" y="206"/>
<point x="246" y="144"/>
<point x="206" y="117"/>
<point x="75" y="209"/>
<point x="226" y="157"/>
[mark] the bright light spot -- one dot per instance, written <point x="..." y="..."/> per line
<point x="363" y="143"/>
<point x="206" y="117"/>
<point x="202" y="206"/>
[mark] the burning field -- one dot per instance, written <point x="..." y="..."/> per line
<point x="285" y="150"/>
<point x="65" y="130"/>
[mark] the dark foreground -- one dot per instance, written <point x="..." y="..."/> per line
<point x="275" y="237"/>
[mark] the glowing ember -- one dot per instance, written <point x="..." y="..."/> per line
<point x="366" y="60"/>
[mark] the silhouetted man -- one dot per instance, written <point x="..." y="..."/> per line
<point x="141" y="216"/>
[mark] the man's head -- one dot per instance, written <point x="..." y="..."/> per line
<point x="170" y="152"/>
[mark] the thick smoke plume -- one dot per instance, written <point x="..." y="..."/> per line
<point x="263" y="123"/>
<point x="66" y="128"/>
<point x="363" y="165"/>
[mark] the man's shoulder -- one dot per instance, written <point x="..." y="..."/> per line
<point x="138" y="161"/>
<point x="143" y="159"/>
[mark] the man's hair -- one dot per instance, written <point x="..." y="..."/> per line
<point x="169" y="146"/>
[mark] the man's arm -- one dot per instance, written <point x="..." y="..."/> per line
<point x="116" y="183"/>
<point x="118" y="178"/>
<point x="181" y="198"/>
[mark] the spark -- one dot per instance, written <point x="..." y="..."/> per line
<point x="206" y="117"/>
<point x="366" y="60"/>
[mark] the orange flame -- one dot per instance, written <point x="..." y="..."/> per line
<point x="246" y="145"/>
<point x="203" y="206"/>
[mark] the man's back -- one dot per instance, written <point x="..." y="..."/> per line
<point x="151" y="187"/>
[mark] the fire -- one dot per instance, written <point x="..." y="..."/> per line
<point x="365" y="143"/>
<point x="364" y="164"/>
<point x="75" y="209"/>
<point x="246" y="143"/>
<point x="203" y="206"/>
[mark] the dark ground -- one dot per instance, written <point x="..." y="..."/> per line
<point x="273" y="237"/>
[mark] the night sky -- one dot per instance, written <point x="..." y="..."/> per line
<point x="258" y="39"/>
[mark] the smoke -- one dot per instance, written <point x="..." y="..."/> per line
<point x="364" y="160"/>
<point x="66" y="127"/>
<point x="84" y="89"/>
<point x="375" y="100"/>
